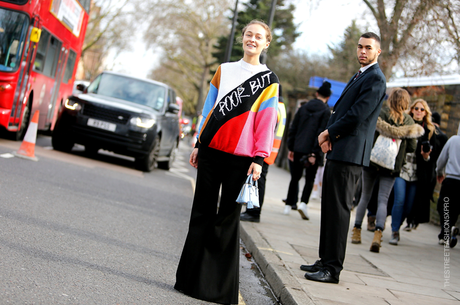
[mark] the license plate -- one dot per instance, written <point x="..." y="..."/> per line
<point x="102" y="125"/>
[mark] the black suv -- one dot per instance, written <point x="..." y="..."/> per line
<point x="127" y="115"/>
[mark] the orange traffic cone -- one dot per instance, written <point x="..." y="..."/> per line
<point x="27" y="149"/>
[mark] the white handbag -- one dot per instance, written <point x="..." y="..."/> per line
<point x="249" y="194"/>
<point x="385" y="151"/>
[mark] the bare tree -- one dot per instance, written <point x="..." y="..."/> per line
<point x="110" y="27"/>
<point x="187" y="32"/>
<point x="397" y="29"/>
<point x="449" y="15"/>
<point x="434" y="44"/>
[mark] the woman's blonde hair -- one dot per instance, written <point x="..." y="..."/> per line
<point x="398" y="101"/>
<point x="268" y="32"/>
<point x="426" y="118"/>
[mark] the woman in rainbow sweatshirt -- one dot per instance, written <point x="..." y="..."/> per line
<point x="235" y="135"/>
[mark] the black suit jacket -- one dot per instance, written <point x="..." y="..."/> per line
<point x="352" y="123"/>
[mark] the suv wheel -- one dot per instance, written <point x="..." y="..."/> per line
<point x="60" y="141"/>
<point x="91" y="150"/>
<point x="146" y="163"/>
<point x="172" y="156"/>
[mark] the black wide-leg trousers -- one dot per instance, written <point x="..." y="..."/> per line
<point x="339" y="181"/>
<point x="209" y="265"/>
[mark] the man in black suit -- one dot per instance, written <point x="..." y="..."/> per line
<point x="347" y="140"/>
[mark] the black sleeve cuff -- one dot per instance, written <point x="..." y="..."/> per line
<point x="258" y="160"/>
<point x="197" y="144"/>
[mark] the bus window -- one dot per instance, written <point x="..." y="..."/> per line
<point x="86" y="4"/>
<point x="52" y="57"/>
<point x="47" y="56"/>
<point x="41" y="51"/>
<point x="69" y="66"/>
<point x="13" y="27"/>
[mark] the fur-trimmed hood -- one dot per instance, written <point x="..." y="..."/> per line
<point x="401" y="132"/>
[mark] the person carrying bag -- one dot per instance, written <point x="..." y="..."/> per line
<point x="393" y="126"/>
<point x="235" y="136"/>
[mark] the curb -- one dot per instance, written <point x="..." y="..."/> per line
<point x="284" y="285"/>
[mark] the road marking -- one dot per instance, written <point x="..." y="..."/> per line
<point x="273" y="250"/>
<point x="7" y="155"/>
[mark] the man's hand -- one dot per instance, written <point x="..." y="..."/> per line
<point x="194" y="158"/>
<point x="326" y="146"/>
<point x="323" y="137"/>
<point x="291" y="156"/>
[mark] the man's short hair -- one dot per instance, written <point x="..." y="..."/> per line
<point x="371" y="35"/>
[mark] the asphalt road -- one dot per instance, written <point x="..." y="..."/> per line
<point x="78" y="230"/>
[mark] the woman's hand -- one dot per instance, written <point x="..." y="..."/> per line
<point x="255" y="169"/>
<point x="425" y="155"/>
<point x="194" y="158"/>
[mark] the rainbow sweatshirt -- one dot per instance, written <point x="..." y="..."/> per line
<point x="240" y="111"/>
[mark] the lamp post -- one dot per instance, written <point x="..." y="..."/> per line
<point x="270" y="22"/>
<point x="228" y="51"/>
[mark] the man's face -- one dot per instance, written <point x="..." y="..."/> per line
<point x="368" y="51"/>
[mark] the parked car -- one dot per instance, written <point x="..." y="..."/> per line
<point x="124" y="114"/>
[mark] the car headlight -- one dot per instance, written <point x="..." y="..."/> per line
<point x="142" y="122"/>
<point x="72" y="105"/>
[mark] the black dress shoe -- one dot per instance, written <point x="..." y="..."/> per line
<point x="317" y="266"/>
<point x="323" y="275"/>
<point x="248" y="217"/>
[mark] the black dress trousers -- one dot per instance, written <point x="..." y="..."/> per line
<point x="339" y="181"/>
<point x="209" y="265"/>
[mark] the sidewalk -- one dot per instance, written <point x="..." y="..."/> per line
<point x="411" y="273"/>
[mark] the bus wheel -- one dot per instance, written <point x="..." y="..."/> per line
<point x="21" y="132"/>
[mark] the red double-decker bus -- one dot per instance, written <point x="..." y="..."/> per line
<point x="40" y="45"/>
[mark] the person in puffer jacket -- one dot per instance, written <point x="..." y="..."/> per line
<point x="394" y="123"/>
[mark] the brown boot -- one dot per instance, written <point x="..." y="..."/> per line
<point x="377" y="241"/>
<point x="371" y="223"/>
<point x="356" y="236"/>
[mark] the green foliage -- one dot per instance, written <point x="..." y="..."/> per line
<point x="343" y="63"/>
<point x="283" y="29"/>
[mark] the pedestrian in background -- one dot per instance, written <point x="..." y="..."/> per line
<point x="235" y="136"/>
<point x="304" y="152"/>
<point x="418" y="177"/>
<point x="393" y="123"/>
<point x="441" y="137"/>
<point x="348" y="142"/>
<point x="448" y="173"/>
<point x="253" y="215"/>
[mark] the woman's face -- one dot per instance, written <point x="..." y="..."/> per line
<point x="418" y="112"/>
<point x="255" y="40"/>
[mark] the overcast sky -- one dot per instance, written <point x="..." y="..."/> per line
<point x="322" y="23"/>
